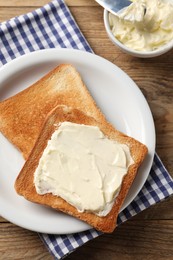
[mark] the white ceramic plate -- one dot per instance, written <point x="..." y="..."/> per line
<point x="115" y="93"/>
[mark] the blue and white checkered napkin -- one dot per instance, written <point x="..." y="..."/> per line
<point x="53" y="26"/>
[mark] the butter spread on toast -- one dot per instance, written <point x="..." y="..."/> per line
<point x="84" y="167"/>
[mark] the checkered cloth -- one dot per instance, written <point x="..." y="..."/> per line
<point x="53" y="26"/>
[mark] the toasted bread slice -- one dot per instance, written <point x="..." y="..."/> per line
<point x="24" y="184"/>
<point x="22" y="115"/>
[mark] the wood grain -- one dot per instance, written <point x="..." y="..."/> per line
<point x="132" y="240"/>
<point x="149" y="235"/>
<point x="17" y="243"/>
<point x="34" y="3"/>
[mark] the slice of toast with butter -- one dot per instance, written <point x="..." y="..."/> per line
<point x="89" y="199"/>
<point x="22" y="115"/>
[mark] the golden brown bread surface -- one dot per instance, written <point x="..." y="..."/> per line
<point x="24" y="184"/>
<point x="22" y="115"/>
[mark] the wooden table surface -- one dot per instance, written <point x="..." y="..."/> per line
<point x="149" y="235"/>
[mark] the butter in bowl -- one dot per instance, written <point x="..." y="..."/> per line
<point x="143" y="29"/>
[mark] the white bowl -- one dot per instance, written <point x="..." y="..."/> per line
<point x="142" y="54"/>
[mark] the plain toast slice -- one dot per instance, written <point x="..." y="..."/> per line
<point x="24" y="184"/>
<point x="22" y="115"/>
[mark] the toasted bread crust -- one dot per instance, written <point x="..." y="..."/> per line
<point x="22" y="115"/>
<point x="24" y="184"/>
